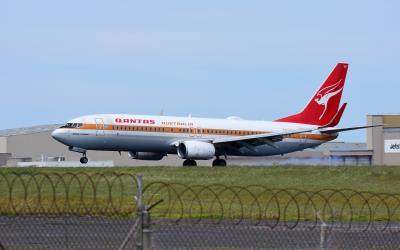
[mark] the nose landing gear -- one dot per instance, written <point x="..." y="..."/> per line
<point x="84" y="159"/>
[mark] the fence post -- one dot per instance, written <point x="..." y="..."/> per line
<point x="323" y="240"/>
<point x="323" y="243"/>
<point x="140" y="208"/>
<point x="146" y="231"/>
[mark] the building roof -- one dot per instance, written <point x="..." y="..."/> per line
<point x="28" y="130"/>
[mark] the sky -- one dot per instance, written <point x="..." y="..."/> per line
<point x="253" y="59"/>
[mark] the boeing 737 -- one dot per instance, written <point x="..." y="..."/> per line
<point x="153" y="137"/>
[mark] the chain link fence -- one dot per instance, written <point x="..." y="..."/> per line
<point x="116" y="211"/>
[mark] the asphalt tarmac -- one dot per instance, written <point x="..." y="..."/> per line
<point x="64" y="232"/>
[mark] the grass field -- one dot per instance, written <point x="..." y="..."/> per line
<point x="232" y="203"/>
<point x="372" y="179"/>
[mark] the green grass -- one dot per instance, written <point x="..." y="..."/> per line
<point x="372" y="179"/>
<point x="197" y="202"/>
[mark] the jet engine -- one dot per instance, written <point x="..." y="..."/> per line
<point x="196" y="150"/>
<point x="147" y="156"/>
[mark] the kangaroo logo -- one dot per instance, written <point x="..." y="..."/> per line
<point x="324" y="95"/>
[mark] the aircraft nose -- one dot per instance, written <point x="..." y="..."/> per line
<point x="59" y="135"/>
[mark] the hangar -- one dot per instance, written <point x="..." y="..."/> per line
<point x="34" y="145"/>
<point x="384" y="141"/>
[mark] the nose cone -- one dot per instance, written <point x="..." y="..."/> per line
<point x="60" y="135"/>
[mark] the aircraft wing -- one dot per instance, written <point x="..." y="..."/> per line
<point x="336" y="130"/>
<point x="250" y="141"/>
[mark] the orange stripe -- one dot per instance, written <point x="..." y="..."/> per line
<point x="194" y="131"/>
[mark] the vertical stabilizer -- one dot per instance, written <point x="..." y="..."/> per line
<point x="323" y="107"/>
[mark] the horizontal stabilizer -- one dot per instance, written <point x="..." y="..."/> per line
<point x="337" y="130"/>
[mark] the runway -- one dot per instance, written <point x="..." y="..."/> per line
<point x="66" y="232"/>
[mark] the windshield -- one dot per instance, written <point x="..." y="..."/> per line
<point x="72" y="125"/>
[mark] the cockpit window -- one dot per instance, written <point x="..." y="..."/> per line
<point x="72" y="125"/>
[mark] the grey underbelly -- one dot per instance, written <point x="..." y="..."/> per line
<point x="134" y="143"/>
<point x="164" y="143"/>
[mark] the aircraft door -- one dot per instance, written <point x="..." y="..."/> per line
<point x="199" y="132"/>
<point x="195" y="132"/>
<point x="100" y="128"/>
<point x="192" y="132"/>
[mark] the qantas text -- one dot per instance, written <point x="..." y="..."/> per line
<point x="136" y="121"/>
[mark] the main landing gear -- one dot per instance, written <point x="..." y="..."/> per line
<point x="84" y="159"/>
<point x="219" y="162"/>
<point x="189" y="163"/>
<point x="216" y="163"/>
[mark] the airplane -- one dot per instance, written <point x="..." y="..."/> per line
<point x="147" y="137"/>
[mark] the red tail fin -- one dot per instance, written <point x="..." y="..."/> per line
<point x="323" y="106"/>
<point x="336" y="119"/>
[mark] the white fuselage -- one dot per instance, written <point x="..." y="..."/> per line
<point x="141" y="133"/>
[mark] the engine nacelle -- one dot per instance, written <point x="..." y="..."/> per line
<point x="147" y="156"/>
<point x="196" y="150"/>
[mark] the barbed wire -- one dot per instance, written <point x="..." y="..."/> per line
<point x="68" y="193"/>
<point x="112" y="194"/>
<point x="259" y="205"/>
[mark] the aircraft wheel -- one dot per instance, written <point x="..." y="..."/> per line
<point x="83" y="160"/>
<point x="189" y="163"/>
<point x="219" y="163"/>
